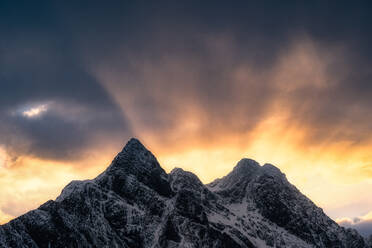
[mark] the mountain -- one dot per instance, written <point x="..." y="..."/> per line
<point x="135" y="203"/>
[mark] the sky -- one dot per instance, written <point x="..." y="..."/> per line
<point x="201" y="83"/>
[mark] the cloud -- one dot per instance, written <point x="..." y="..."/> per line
<point x="42" y="77"/>
<point x="362" y="224"/>
<point x="224" y="90"/>
<point x="60" y="131"/>
<point x="267" y="81"/>
<point x="35" y="111"/>
<point x="214" y="73"/>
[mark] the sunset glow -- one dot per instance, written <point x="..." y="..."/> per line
<point x="201" y="94"/>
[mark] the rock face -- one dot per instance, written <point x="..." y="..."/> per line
<point x="135" y="203"/>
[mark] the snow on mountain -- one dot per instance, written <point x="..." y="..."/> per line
<point x="135" y="203"/>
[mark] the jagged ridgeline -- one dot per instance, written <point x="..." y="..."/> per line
<point x="135" y="203"/>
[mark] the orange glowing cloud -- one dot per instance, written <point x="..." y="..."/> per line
<point x="205" y="114"/>
<point x="277" y="115"/>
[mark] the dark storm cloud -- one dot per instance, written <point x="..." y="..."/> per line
<point x="59" y="133"/>
<point x="217" y="58"/>
<point x="341" y="109"/>
<point x="39" y="64"/>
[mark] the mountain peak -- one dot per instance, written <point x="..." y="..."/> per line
<point x="243" y="172"/>
<point x="137" y="163"/>
<point x="134" y="145"/>
<point x="184" y="179"/>
<point x="272" y="170"/>
<point x="247" y="164"/>
<point x="135" y="154"/>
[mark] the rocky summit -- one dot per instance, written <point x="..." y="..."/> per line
<point x="135" y="203"/>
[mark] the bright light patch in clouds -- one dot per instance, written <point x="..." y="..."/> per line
<point x="35" y="111"/>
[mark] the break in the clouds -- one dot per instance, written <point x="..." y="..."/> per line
<point x="34" y="112"/>
<point x="219" y="68"/>
<point x="289" y="81"/>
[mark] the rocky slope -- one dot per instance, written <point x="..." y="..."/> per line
<point x="134" y="203"/>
